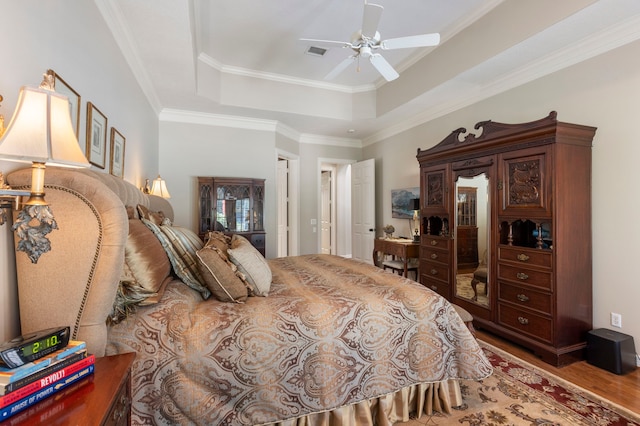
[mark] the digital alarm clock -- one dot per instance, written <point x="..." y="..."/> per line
<point x="32" y="346"/>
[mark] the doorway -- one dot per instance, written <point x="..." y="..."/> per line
<point x="287" y="208"/>
<point x="334" y="186"/>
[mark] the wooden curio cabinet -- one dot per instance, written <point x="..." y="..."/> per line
<point x="232" y="206"/>
<point x="531" y="221"/>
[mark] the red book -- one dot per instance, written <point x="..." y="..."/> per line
<point x="45" y="381"/>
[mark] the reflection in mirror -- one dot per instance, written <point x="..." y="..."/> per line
<point x="472" y="239"/>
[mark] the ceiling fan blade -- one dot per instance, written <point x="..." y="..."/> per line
<point x="371" y="19"/>
<point x="341" y="67"/>
<point x="411" y="41"/>
<point x="329" y="42"/>
<point x="383" y="67"/>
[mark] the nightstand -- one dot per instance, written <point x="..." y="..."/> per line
<point x="104" y="398"/>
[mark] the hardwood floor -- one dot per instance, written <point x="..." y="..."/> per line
<point x="623" y="390"/>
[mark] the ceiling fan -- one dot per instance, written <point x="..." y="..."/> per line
<point x="367" y="40"/>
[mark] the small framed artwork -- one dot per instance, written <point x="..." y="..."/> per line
<point x="117" y="153"/>
<point x="96" y="136"/>
<point x="63" y="88"/>
<point x="401" y="202"/>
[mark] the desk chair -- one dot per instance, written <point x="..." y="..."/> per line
<point x="397" y="266"/>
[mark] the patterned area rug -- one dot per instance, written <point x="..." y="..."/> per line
<point x="520" y="394"/>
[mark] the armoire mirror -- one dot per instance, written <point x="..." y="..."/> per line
<point x="472" y="226"/>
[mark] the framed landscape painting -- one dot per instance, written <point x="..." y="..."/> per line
<point x="401" y="202"/>
<point x="96" y="136"/>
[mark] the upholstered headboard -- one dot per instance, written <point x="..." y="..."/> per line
<point x="75" y="282"/>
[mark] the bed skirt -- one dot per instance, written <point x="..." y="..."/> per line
<point x="386" y="410"/>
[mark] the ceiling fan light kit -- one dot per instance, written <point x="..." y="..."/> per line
<point x="365" y="41"/>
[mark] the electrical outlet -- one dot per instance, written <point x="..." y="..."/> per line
<point x="616" y="320"/>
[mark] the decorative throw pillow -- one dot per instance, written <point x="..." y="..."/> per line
<point x="252" y="264"/>
<point x="146" y="263"/>
<point x="156" y="217"/>
<point x="218" y="240"/>
<point x="221" y="275"/>
<point x="181" y="246"/>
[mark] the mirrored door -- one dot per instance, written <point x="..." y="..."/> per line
<point x="472" y="226"/>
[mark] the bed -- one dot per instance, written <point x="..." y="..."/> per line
<point x="330" y="340"/>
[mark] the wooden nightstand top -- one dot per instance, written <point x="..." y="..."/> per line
<point x="87" y="402"/>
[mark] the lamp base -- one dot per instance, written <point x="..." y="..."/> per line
<point x="33" y="240"/>
<point x="36" y="199"/>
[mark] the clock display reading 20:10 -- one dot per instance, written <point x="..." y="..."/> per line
<point x="40" y="345"/>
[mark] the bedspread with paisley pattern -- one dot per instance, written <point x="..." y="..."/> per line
<point x="332" y="332"/>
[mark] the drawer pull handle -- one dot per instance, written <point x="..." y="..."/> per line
<point x="434" y="256"/>
<point x="434" y="271"/>
<point x="523" y="320"/>
<point x="523" y="257"/>
<point x="522" y="297"/>
<point x="522" y="276"/>
<point x="434" y="287"/>
<point x="434" y="242"/>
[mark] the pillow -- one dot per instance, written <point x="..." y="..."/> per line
<point x="218" y="240"/>
<point x="146" y="262"/>
<point x="156" y="217"/>
<point x="181" y="245"/>
<point x="251" y="263"/>
<point x="221" y="275"/>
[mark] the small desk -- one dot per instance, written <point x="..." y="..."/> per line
<point x="404" y="249"/>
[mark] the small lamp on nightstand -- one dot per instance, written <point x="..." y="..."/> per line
<point x="415" y="206"/>
<point x="40" y="132"/>
<point x="159" y="188"/>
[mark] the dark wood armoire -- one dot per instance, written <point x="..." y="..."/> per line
<point x="536" y="239"/>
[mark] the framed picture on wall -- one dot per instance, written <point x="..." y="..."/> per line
<point x="117" y="153"/>
<point x="401" y="202"/>
<point x="96" y="136"/>
<point x="63" y="88"/>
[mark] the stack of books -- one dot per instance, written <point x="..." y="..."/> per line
<point x="26" y="385"/>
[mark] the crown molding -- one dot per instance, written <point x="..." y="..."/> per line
<point x="309" y="138"/>
<point x="279" y="78"/>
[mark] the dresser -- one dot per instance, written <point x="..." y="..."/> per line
<point x="102" y="399"/>
<point x="533" y="230"/>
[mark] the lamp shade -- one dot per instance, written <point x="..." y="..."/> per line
<point x="41" y="131"/>
<point x="415" y="204"/>
<point x="159" y="188"/>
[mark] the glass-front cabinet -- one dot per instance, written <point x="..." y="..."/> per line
<point x="232" y="206"/>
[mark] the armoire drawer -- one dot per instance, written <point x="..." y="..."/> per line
<point x="533" y="277"/>
<point x="525" y="297"/>
<point x="433" y="242"/>
<point x="525" y="322"/>
<point x="435" y="255"/>
<point x="435" y="270"/>
<point x="533" y="257"/>
<point x="439" y="287"/>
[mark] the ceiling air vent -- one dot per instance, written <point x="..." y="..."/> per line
<point x="316" y="51"/>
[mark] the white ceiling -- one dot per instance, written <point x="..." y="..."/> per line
<point x="242" y="60"/>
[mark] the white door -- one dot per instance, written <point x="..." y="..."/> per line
<point x="363" y="209"/>
<point x="283" y="208"/>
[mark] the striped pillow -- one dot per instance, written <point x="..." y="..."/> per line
<point x="181" y="245"/>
